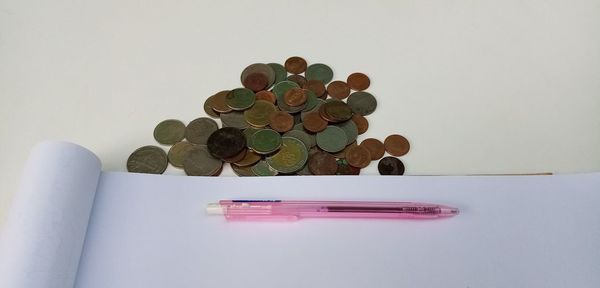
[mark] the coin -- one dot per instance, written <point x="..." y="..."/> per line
<point x="266" y="95"/>
<point x="335" y="111"/>
<point x="299" y="79"/>
<point x="358" y="156"/>
<point x="249" y="159"/>
<point x="208" y="108"/>
<point x="295" y="97"/>
<point x="178" y="152"/>
<point x="305" y="171"/>
<point x="396" y="145"/>
<point x="314" y="123"/>
<point x="375" y="147"/>
<point x="226" y="142"/>
<point x="265" y="141"/>
<point x="390" y="166"/>
<point x="358" y="81"/>
<point x="281" y="121"/>
<point x="350" y="129"/>
<point x="342" y="154"/>
<point x="259" y="68"/>
<point x="338" y="89"/>
<point x="319" y="72"/>
<point x="362" y="124"/>
<point x="316" y="86"/>
<point x="259" y="115"/>
<point x="280" y="73"/>
<point x="236" y="157"/>
<point x="280" y="88"/>
<point x="346" y="169"/>
<point x="198" y="131"/>
<point x="308" y="140"/>
<point x="332" y="139"/>
<point x="261" y="168"/>
<point x="242" y="171"/>
<point x="169" y="131"/>
<point x="256" y="82"/>
<point x="234" y="119"/>
<point x="248" y="133"/>
<point x="322" y="163"/>
<point x="240" y="99"/>
<point x="290" y="158"/>
<point x="147" y="159"/>
<point x="362" y="103"/>
<point x="311" y="100"/>
<point x="295" y="65"/>
<point x="199" y="162"/>
<point x="219" y="104"/>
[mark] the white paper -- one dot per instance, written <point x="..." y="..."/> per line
<point x="44" y="234"/>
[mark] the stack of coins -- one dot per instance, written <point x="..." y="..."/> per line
<point x="289" y="119"/>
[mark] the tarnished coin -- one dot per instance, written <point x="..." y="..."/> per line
<point x="346" y="169"/>
<point x="350" y="129"/>
<point x="314" y="123"/>
<point x="208" y="108"/>
<point x="358" y="156"/>
<point x="226" y="142"/>
<point x="240" y="99"/>
<point x="242" y="171"/>
<point x="198" y="131"/>
<point x="259" y="68"/>
<point x="250" y="158"/>
<point x="248" y="133"/>
<point x="319" y="72"/>
<point x="332" y="139"/>
<point x="260" y="114"/>
<point x="295" y="97"/>
<point x="147" y="159"/>
<point x="342" y="154"/>
<point x="290" y="158"/>
<point x="390" y="166"/>
<point x="234" y="119"/>
<point x="375" y="147"/>
<point x="199" y="162"/>
<point x="322" y="163"/>
<point x="358" y="81"/>
<point x="295" y="65"/>
<point x="266" y="96"/>
<point x="299" y="79"/>
<point x="178" y="152"/>
<point x="316" y="86"/>
<point x="338" y="89"/>
<point x="396" y="145"/>
<point x="236" y="157"/>
<point x="218" y="102"/>
<point x="311" y="100"/>
<point x="362" y="124"/>
<point x="335" y="111"/>
<point x="305" y="171"/>
<point x="280" y="88"/>
<point x="280" y="73"/>
<point x="169" y="131"/>
<point x="256" y="82"/>
<point x="362" y="103"/>
<point x="265" y="141"/>
<point x="308" y="140"/>
<point x="281" y="121"/>
<point x="261" y="168"/>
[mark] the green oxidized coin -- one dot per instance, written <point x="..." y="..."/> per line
<point x="240" y="99"/>
<point x="265" y="141"/>
<point x="198" y="131"/>
<point x="333" y="139"/>
<point x="263" y="169"/>
<point x="280" y="73"/>
<point x="363" y="103"/>
<point x="234" y="119"/>
<point x="319" y="72"/>
<point x="290" y="158"/>
<point x="248" y="133"/>
<point x="199" y="162"/>
<point x="280" y="88"/>
<point x="311" y="100"/>
<point x="169" y="131"/>
<point x="308" y="140"/>
<point x="350" y="129"/>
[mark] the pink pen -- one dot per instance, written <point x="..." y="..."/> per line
<point x="280" y="210"/>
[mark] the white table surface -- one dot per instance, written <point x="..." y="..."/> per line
<point x="476" y="86"/>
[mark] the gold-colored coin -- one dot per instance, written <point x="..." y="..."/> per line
<point x="260" y="113"/>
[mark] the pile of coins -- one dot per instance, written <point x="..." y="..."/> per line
<point x="289" y="119"/>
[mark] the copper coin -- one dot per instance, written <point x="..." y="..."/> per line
<point x="396" y="145"/>
<point x="390" y="166"/>
<point x="338" y="89"/>
<point x="358" y="156"/>
<point x="250" y="158"/>
<point x="295" y="65"/>
<point x="299" y="79"/>
<point x="335" y="111"/>
<point x="281" y="121"/>
<point x="256" y="82"/>
<point x="361" y="123"/>
<point x="208" y="107"/>
<point x="316" y="86"/>
<point x="358" y="81"/>
<point x="322" y="163"/>
<point x="294" y="97"/>
<point x="342" y="154"/>
<point x="237" y="157"/>
<point x="346" y="169"/>
<point x="375" y="147"/>
<point x="219" y="103"/>
<point x="314" y="123"/>
<point x="266" y="95"/>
